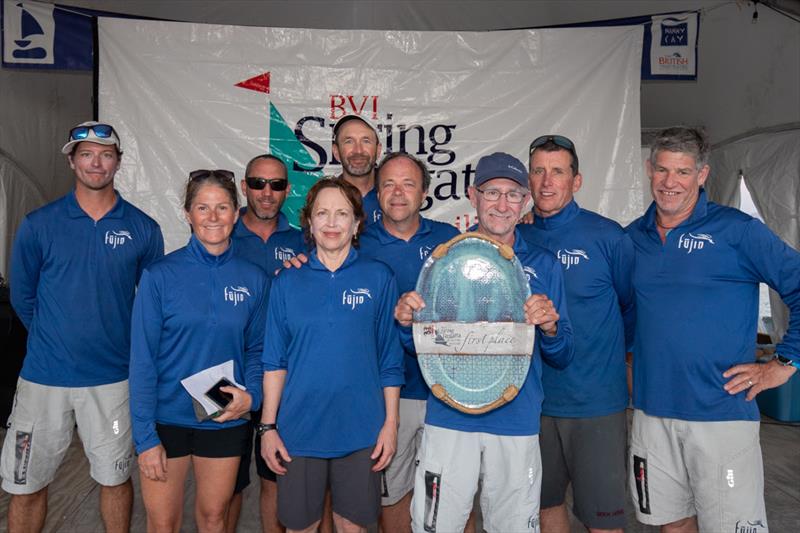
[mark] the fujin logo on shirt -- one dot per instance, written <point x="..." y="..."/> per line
<point x="352" y="298"/>
<point x="530" y="273"/>
<point x="570" y="258"/>
<point x="236" y="294"/>
<point x="694" y="241"/>
<point x="117" y="238"/>
<point x="284" y="254"/>
<point x="747" y="526"/>
<point x="424" y="251"/>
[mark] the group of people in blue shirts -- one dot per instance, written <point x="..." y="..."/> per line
<point x="315" y="326"/>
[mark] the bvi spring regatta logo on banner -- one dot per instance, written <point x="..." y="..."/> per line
<point x="306" y="144"/>
<point x="208" y="96"/>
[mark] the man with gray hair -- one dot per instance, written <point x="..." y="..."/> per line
<point x="695" y="454"/>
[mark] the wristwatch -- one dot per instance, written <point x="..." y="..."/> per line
<point x="263" y="428"/>
<point x="785" y="361"/>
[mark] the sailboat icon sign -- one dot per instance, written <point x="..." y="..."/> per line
<point x="28" y="30"/>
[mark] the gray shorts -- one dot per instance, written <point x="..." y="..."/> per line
<point x="710" y="469"/>
<point x="590" y="454"/>
<point x="355" y="489"/>
<point x="450" y="464"/>
<point x="40" y="432"/>
<point x="398" y="478"/>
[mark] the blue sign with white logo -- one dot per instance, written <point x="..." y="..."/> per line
<point x="674" y="33"/>
<point x="49" y="36"/>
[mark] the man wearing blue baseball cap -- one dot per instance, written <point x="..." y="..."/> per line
<point x="500" y="447"/>
<point x="75" y="264"/>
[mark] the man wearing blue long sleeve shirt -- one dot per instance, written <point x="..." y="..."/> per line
<point x="357" y="147"/>
<point x="695" y="453"/>
<point x="263" y="236"/>
<point x="584" y="425"/>
<point x="74" y="269"/>
<point x="500" y="446"/>
<point x="402" y="239"/>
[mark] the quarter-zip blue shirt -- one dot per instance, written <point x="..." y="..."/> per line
<point x="405" y="258"/>
<point x="596" y="257"/>
<point x="334" y="333"/>
<point x="72" y="284"/>
<point x="284" y="243"/>
<point x="697" y="309"/>
<point x="193" y="311"/>
<point x="521" y="415"/>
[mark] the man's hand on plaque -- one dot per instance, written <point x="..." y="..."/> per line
<point x="539" y="311"/>
<point x="406" y="305"/>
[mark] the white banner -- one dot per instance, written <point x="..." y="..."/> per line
<point x="186" y="96"/>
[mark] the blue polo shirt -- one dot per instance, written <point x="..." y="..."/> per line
<point x="72" y="284"/>
<point x="193" y="311"/>
<point x="334" y="333"/>
<point x="372" y="209"/>
<point x="697" y="309"/>
<point x="284" y="243"/>
<point x="521" y="415"/>
<point x="596" y="257"/>
<point x="405" y="258"/>
<point x="369" y="202"/>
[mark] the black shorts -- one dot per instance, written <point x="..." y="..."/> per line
<point x="355" y="489"/>
<point x="243" y="476"/>
<point x="179" y="441"/>
<point x="590" y="454"/>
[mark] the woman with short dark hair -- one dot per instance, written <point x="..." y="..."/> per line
<point x="333" y="370"/>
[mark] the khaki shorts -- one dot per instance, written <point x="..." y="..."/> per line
<point x="451" y="462"/>
<point x="710" y="469"/>
<point x="398" y="478"/>
<point x="40" y="432"/>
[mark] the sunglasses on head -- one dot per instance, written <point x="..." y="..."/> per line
<point x="102" y="131"/>
<point x="558" y="140"/>
<point x="202" y="174"/>
<point x="276" y="184"/>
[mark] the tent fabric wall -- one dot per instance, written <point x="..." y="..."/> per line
<point x="18" y="194"/>
<point x="37" y="108"/>
<point x="770" y="166"/>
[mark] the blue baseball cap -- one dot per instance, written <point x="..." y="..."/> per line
<point x="500" y="165"/>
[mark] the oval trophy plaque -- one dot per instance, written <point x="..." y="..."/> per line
<point x="473" y="345"/>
